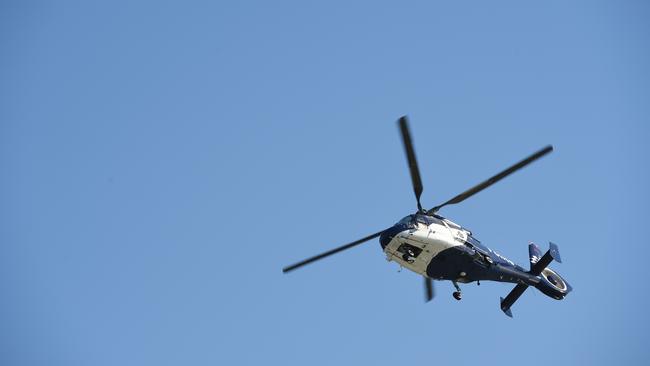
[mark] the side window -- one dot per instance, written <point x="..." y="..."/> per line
<point x="409" y="252"/>
<point x="472" y="242"/>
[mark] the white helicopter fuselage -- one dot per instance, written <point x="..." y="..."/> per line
<point x="438" y="248"/>
<point x="415" y="248"/>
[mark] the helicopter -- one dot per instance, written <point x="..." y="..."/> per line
<point x="439" y="249"/>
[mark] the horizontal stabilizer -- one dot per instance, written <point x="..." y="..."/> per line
<point x="511" y="298"/>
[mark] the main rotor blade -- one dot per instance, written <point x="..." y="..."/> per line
<point x="330" y="252"/>
<point x="474" y="190"/>
<point x="410" y="156"/>
<point x="429" y="293"/>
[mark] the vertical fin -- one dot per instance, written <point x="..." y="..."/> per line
<point x="553" y="253"/>
<point x="534" y="254"/>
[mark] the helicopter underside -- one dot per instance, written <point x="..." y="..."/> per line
<point x="463" y="265"/>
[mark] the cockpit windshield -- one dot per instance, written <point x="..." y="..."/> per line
<point x="423" y="219"/>
<point x="406" y="220"/>
<point x="428" y="220"/>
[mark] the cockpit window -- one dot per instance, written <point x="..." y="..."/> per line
<point x="472" y="241"/>
<point x="428" y="220"/>
<point x="423" y="219"/>
<point x="407" y="220"/>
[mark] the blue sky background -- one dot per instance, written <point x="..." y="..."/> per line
<point x="162" y="161"/>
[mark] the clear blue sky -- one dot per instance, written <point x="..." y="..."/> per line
<point x="162" y="161"/>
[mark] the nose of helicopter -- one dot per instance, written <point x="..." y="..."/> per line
<point x="389" y="234"/>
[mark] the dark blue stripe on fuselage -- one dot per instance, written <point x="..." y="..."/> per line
<point x="449" y="263"/>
